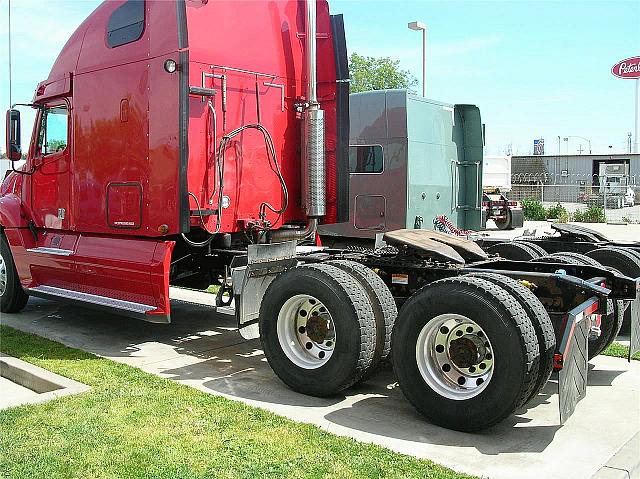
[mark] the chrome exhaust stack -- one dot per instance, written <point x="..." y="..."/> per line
<point x="314" y="192"/>
<point x="313" y="161"/>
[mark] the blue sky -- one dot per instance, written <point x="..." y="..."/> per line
<point x="536" y="69"/>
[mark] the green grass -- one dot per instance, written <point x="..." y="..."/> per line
<point x="133" y="424"/>
<point x="620" y="351"/>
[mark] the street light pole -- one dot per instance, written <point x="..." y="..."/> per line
<point x="580" y="137"/>
<point x="419" y="26"/>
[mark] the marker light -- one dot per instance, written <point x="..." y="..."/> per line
<point x="170" y="66"/>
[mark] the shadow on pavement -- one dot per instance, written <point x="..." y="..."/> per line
<point x="203" y="348"/>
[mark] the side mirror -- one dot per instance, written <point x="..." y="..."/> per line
<point x="14" y="151"/>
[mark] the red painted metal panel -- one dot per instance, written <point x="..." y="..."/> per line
<point x="108" y="150"/>
<point x="124" y="205"/>
<point x="264" y="37"/>
<point x="163" y="187"/>
<point x="114" y="267"/>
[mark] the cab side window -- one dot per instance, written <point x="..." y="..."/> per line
<point x="366" y="159"/>
<point x="54" y="129"/>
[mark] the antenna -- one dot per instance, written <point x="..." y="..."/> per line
<point x="10" y="54"/>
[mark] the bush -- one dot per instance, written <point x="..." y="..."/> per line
<point x="593" y="214"/>
<point x="533" y="210"/>
<point x="558" y="212"/>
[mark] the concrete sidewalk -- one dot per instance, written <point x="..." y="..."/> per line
<point x="202" y="349"/>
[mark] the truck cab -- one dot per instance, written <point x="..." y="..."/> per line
<point x="156" y="141"/>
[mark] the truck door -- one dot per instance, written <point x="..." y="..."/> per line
<point x="51" y="159"/>
<point x="467" y="169"/>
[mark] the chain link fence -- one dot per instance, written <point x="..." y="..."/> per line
<point x="617" y="196"/>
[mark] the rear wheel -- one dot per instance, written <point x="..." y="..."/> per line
<point x="382" y="303"/>
<point x="12" y="297"/>
<point x="317" y="329"/>
<point x="536" y="247"/>
<point x="625" y="260"/>
<point x="539" y="319"/>
<point x="465" y="353"/>
<point x="610" y="322"/>
<point x="505" y="223"/>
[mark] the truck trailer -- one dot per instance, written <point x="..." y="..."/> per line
<point x="193" y="142"/>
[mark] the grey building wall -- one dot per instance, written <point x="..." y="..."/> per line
<point x="566" y="178"/>
<point x="573" y="164"/>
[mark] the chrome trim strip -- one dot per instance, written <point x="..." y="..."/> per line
<point x="57" y="251"/>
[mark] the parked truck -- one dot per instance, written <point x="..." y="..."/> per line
<point x="410" y="159"/>
<point x="496" y="184"/>
<point x="185" y="143"/>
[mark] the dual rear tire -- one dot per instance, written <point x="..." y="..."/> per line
<point x="611" y="322"/>
<point x="466" y="352"/>
<point x="324" y="326"/>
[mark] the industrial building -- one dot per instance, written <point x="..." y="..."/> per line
<point x="610" y="180"/>
<point x="572" y="165"/>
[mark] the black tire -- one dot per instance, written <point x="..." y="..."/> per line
<point x="347" y="302"/>
<point x="384" y="308"/>
<point x="625" y="260"/>
<point x="506" y="224"/>
<point x="13" y="299"/>
<point x="537" y="248"/>
<point x="539" y="319"/>
<point x="611" y="322"/>
<point x="514" y="250"/>
<point x="509" y="330"/>
<point x="551" y="259"/>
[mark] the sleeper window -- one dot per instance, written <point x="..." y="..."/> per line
<point x="126" y="23"/>
<point x="366" y="159"/>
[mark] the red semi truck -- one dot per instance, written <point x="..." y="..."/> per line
<point x="193" y="142"/>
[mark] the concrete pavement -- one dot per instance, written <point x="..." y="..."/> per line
<point x="202" y="349"/>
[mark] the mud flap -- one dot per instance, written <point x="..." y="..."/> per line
<point x="264" y="263"/>
<point x="634" y="344"/>
<point x="572" y="359"/>
<point x="517" y="218"/>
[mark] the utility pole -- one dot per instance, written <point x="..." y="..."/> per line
<point x="629" y="141"/>
<point x="637" y="117"/>
<point x="580" y="150"/>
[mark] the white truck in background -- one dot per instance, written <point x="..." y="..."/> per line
<point x="496" y="182"/>
<point x="615" y="185"/>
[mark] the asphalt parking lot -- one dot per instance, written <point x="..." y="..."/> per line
<point x="202" y="349"/>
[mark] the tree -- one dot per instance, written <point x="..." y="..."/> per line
<point x="370" y="73"/>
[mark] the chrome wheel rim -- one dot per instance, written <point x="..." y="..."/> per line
<point x="455" y="356"/>
<point x="3" y="275"/>
<point x="306" y="331"/>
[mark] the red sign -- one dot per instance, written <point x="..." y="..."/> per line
<point x="629" y="68"/>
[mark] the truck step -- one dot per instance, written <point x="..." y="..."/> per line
<point x="138" y="310"/>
